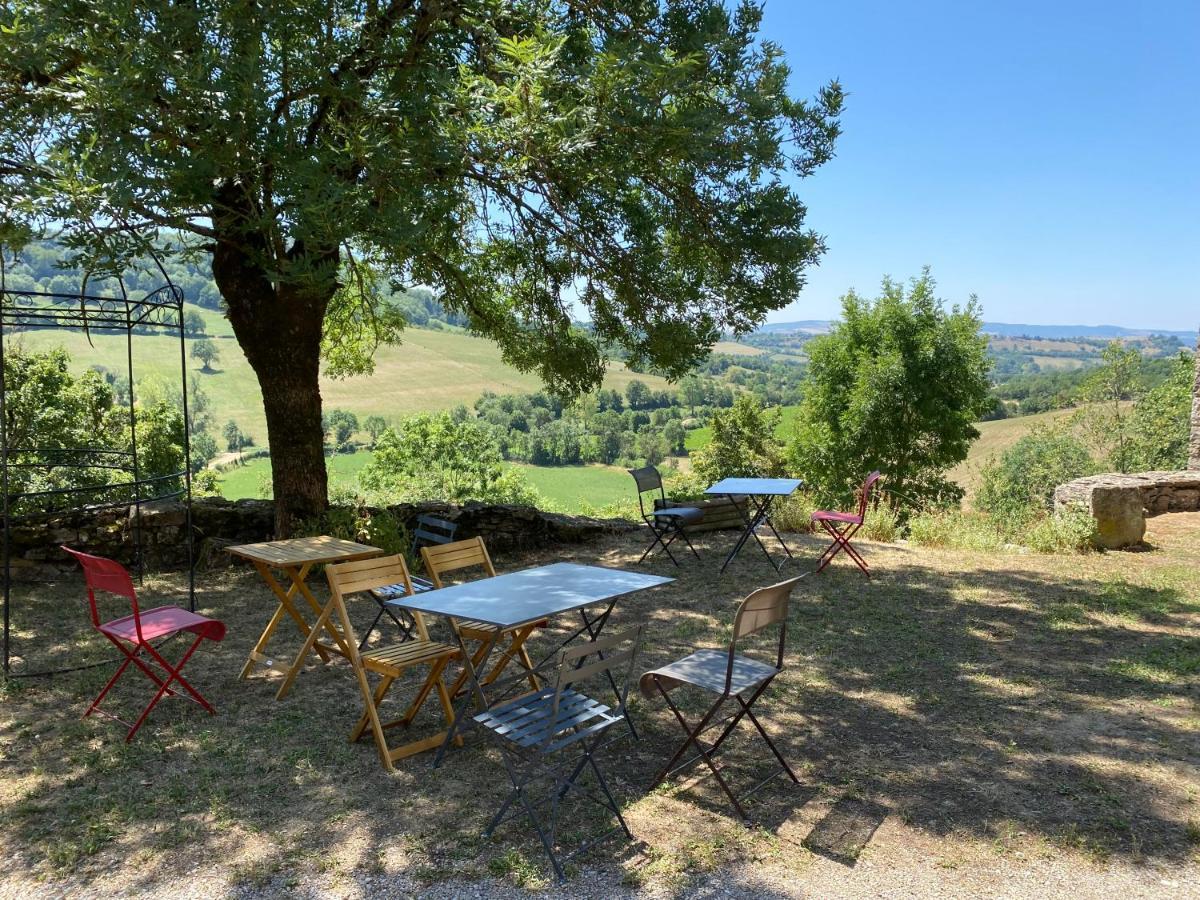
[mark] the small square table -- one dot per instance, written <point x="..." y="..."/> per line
<point x="295" y="558"/>
<point x="519" y="598"/>
<point x="760" y="494"/>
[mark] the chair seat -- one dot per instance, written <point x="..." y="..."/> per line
<point x="482" y="631"/>
<point x="686" y="515"/>
<point x="707" y="669"/>
<point x="528" y="721"/>
<point x="399" y="592"/>
<point x="405" y="654"/>
<point x="164" y="621"/>
<point x="825" y="515"/>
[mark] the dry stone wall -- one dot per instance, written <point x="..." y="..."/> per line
<point x="1120" y="504"/>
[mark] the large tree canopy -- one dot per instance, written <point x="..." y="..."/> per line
<point x="535" y="161"/>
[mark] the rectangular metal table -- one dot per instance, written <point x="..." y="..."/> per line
<point x="296" y="557"/>
<point x="518" y="598"/>
<point x="760" y="494"/>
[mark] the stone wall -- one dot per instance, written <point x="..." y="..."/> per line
<point x="218" y="523"/>
<point x="1121" y="503"/>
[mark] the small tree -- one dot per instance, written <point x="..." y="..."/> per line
<point x="204" y="448"/>
<point x="1019" y="485"/>
<point x="1107" y="392"/>
<point x="1158" y="427"/>
<point x="895" y="386"/>
<point x="340" y="425"/>
<point x="638" y="394"/>
<point x="675" y="436"/>
<point x="193" y="324"/>
<point x="374" y="426"/>
<point x="206" y="351"/>
<point x="234" y="439"/>
<point x="743" y="443"/>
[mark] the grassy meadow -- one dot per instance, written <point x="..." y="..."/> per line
<point x="431" y="370"/>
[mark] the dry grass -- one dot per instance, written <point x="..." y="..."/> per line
<point x="962" y="724"/>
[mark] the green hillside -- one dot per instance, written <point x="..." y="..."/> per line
<point x="700" y="437"/>
<point x="431" y="370"/>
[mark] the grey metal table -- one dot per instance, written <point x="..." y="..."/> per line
<point x="518" y="598"/>
<point x="760" y="493"/>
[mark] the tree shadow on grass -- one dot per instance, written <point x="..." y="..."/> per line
<point x="982" y="702"/>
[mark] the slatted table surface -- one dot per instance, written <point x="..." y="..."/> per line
<point x="295" y="558"/>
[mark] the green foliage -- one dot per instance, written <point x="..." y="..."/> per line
<point x="352" y="520"/>
<point x="433" y="457"/>
<point x="374" y="426"/>
<point x="204" y="449"/>
<point x="895" y="386"/>
<point x="1158" y="428"/>
<point x="743" y="443"/>
<point x="340" y="426"/>
<point x="235" y="440"/>
<point x="1105" y="420"/>
<point x="160" y="438"/>
<point x="1069" y="531"/>
<point x="1019" y="486"/>
<point x="206" y="351"/>
<point x="955" y="529"/>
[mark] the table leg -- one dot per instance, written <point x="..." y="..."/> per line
<point x="599" y="622"/>
<point x="476" y="688"/>
<point x="259" y="654"/>
<point x="767" y="518"/>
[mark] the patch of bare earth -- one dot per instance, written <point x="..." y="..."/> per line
<point x="1002" y="725"/>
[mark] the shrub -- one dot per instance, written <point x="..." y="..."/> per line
<point x="1018" y="488"/>
<point x="1069" y="531"/>
<point x="882" y="522"/>
<point x="794" y="513"/>
<point x="954" y="529"/>
<point x="743" y="443"/>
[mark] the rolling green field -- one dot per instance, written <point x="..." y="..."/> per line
<point x="431" y="370"/>
<point x="566" y="487"/>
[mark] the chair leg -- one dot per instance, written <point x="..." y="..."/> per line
<point x="693" y="739"/>
<point x="165" y="687"/>
<point x="373" y="699"/>
<point x="770" y="743"/>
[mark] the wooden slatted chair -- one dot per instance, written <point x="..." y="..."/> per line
<point x="390" y="662"/>
<point x="470" y="553"/>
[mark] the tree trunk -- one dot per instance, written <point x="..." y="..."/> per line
<point x="1194" y="443"/>
<point x="279" y="329"/>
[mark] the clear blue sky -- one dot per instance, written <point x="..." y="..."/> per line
<point x="1045" y="156"/>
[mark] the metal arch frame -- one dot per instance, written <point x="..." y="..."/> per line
<point x="159" y="309"/>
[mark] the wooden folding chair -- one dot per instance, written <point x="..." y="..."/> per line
<point x="390" y="662"/>
<point x="472" y="552"/>
<point x="731" y="677"/>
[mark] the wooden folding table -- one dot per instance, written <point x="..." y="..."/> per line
<point x="295" y="558"/>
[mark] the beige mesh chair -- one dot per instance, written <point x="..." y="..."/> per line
<point x="392" y="661"/>
<point x="471" y="553"/>
<point x="732" y="677"/>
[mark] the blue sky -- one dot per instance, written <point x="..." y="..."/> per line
<point x="1045" y="156"/>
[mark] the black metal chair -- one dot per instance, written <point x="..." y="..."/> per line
<point x="666" y="522"/>
<point x="534" y="729"/>
<point x="430" y="530"/>
<point x="731" y="677"/>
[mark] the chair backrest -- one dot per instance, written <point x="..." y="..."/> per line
<point x="364" y="575"/>
<point x="109" y="576"/>
<point x="763" y="608"/>
<point x="615" y="654"/>
<point x="456" y="555"/>
<point x="864" y="492"/>
<point x="431" y="531"/>
<point x="647" y="478"/>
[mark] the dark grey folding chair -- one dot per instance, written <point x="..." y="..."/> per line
<point x="731" y="677"/>
<point x="532" y="730"/>
<point x="666" y="523"/>
<point x="430" y="530"/>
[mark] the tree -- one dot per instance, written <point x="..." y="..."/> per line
<point x="1194" y="439"/>
<point x="433" y="457"/>
<point x="743" y="443"/>
<point x="206" y="351"/>
<point x="204" y="448"/>
<point x="1019" y="485"/>
<point x="894" y="386"/>
<point x="193" y="324"/>
<point x="1107" y="392"/>
<point x="374" y="426"/>
<point x="234" y="439"/>
<point x="630" y="155"/>
<point x="1158" y="428"/>
<point x="638" y="394"/>
<point x="340" y="425"/>
<point x="675" y="436"/>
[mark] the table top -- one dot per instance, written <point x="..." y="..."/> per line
<point x="298" y="551"/>
<point x="761" y="487"/>
<point x="517" y="598"/>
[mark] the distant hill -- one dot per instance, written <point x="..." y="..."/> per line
<point x="1005" y="329"/>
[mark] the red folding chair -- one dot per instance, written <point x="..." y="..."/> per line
<point x="843" y="526"/>
<point x="133" y="634"/>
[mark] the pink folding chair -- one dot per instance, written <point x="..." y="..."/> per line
<point x="843" y="526"/>
<point x="132" y="635"/>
